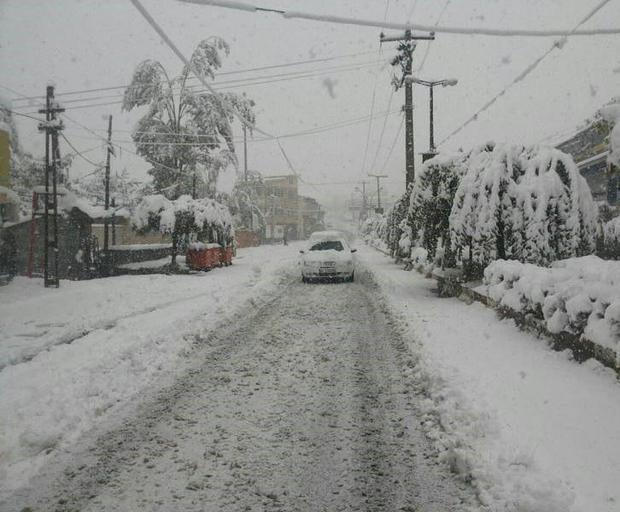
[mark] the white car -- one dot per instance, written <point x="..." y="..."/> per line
<point x="328" y="256"/>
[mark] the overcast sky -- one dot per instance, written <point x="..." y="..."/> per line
<point x="93" y="44"/>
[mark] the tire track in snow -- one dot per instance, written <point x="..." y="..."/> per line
<point x="304" y="405"/>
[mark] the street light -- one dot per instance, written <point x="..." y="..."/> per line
<point x="430" y="84"/>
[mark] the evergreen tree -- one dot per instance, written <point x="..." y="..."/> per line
<point x="431" y="202"/>
<point x="528" y="204"/>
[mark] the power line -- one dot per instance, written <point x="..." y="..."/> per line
<point x="521" y="76"/>
<point x="372" y="101"/>
<point x="400" y="129"/>
<point x="77" y="152"/>
<point x="234" y="84"/>
<point x="342" y="20"/>
<point x="238" y="71"/>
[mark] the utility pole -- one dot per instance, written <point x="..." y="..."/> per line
<point x="378" y="209"/>
<point x="107" y="194"/>
<point x="245" y="154"/>
<point x="364" y="210"/>
<point x="404" y="59"/>
<point x="51" y="127"/>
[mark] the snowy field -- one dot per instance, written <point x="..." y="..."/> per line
<point x="537" y="431"/>
<point x="70" y="356"/>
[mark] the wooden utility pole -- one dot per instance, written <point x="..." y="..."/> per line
<point x="404" y="59"/>
<point x="107" y="190"/>
<point x="51" y="126"/>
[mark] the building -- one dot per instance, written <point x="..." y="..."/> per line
<point x="286" y="212"/>
<point x="280" y="203"/>
<point x="313" y="216"/>
<point x="589" y="148"/>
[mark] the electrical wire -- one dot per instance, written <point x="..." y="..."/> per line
<point x="138" y="5"/>
<point x="372" y="101"/>
<point x="521" y="76"/>
<point x="400" y="129"/>
<point x="231" y="84"/>
<point x="468" y="31"/>
<point x="238" y="71"/>
<point x="77" y="152"/>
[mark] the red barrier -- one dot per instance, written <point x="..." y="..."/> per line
<point x="201" y="256"/>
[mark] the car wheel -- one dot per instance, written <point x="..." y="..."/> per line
<point x="304" y="279"/>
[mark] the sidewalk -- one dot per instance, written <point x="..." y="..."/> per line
<point x="535" y="430"/>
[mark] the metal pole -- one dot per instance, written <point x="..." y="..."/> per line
<point x="378" y="194"/>
<point x="107" y="188"/>
<point x="432" y="141"/>
<point x="245" y="153"/>
<point x="48" y="113"/>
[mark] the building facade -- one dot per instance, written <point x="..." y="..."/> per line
<point x="589" y="148"/>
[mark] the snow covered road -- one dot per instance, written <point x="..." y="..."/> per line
<point x="308" y="403"/>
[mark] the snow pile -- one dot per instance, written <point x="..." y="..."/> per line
<point x="74" y="356"/>
<point x="530" y="429"/>
<point x="523" y="203"/>
<point x="201" y="246"/>
<point x="577" y="295"/>
<point x="611" y="114"/>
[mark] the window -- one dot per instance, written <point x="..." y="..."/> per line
<point x="328" y="245"/>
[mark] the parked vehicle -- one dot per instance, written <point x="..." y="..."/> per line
<point x="328" y="256"/>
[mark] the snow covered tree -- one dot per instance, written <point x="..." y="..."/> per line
<point x="124" y="190"/>
<point x="431" y="202"/>
<point x="243" y="203"/>
<point x="186" y="132"/>
<point x="524" y="203"/>
<point x="184" y="218"/>
<point x="397" y="230"/>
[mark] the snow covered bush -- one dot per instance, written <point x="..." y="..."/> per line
<point x="397" y="228"/>
<point x="183" y="218"/>
<point x="523" y="203"/>
<point x="576" y="295"/>
<point x="374" y="231"/>
<point x="611" y="238"/>
<point x="431" y="202"/>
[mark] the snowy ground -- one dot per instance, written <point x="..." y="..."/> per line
<point x="317" y="397"/>
<point x="72" y="355"/>
<point x="537" y="431"/>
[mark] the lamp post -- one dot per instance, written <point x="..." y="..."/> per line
<point x="430" y="84"/>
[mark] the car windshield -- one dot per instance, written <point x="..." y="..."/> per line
<point x="328" y="245"/>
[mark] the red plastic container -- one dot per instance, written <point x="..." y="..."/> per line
<point x="201" y="256"/>
<point x="226" y="255"/>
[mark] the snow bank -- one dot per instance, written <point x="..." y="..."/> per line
<point x="74" y="355"/>
<point x="530" y="429"/>
<point x="577" y="295"/>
